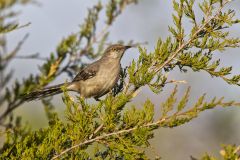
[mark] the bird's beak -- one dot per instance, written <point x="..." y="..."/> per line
<point x="127" y="47"/>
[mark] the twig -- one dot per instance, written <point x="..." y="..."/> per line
<point x="101" y="34"/>
<point x="9" y="109"/>
<point x="96" y="131"/>
<point x="33" y="56"/>
<point x="16" y="27"/>
<point x="24" y="25"/>
<point x="17" y="48"/>
<point x="176" y="81"/>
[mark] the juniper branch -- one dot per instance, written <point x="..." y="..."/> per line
<point x="157" y="68"/>
<point x="152" y="125"/>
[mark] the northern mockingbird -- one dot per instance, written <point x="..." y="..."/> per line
<point x="95" y="80"/>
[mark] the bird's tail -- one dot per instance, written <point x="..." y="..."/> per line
<point x="46" y="92"/>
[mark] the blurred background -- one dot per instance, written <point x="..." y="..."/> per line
<point x="146" y="21"/>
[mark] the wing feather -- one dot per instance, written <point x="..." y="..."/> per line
<point x="87" y="72"/>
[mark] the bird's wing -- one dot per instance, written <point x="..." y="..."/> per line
<point x="87" y="72"/>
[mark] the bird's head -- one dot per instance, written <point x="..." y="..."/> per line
<point x="116" y="51"/>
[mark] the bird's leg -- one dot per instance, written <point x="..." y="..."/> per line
<point x="111" y="92"/>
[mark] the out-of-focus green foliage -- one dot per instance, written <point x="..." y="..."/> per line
<point x="109" y="129"/>
<point x="7" y="24"/>
<point x="228" y="152"/>
<point x="115" y="7"/>
<point x="7" y="13"/>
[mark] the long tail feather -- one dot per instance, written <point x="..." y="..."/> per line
<point x="46" y="92"/>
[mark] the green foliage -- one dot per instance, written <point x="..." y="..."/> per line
<point x="139" y="74"/>
<point x="8" y="25"/>
<point x="171" y="118"/>
<point x="115" y="7"/>
<point x="103" y="124"/>
<point x="6" y="13"/>
<point x="168" y="105"/>
<point x="229" y="152"/>
<point x="140" y="117"/>
<point x="111" y="128"/>
<point x="84" y="122"/>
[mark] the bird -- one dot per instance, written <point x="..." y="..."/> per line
<point x="95" y="80"/>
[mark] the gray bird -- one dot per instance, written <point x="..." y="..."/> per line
<point x="95" y="80"/>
